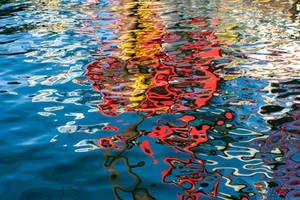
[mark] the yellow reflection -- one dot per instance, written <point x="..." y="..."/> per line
<point x="137" y="29"/>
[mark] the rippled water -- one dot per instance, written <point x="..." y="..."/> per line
<point x="149" y="99"/>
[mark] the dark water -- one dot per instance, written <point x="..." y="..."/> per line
<point x="149" y="99"/>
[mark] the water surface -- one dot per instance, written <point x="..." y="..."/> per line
<point x="149" y="99"/>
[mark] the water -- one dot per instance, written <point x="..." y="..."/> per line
<point x="149" y="99"/>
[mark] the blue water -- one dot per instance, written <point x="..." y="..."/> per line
<point x="76" y="75"/>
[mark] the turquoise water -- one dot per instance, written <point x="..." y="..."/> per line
<point x="149" y="99"/>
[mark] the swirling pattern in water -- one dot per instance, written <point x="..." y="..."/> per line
<point x="196" y="99"/>
<point x="160" y="70"/>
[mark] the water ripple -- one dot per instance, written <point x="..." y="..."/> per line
<point x="201" y="95"/>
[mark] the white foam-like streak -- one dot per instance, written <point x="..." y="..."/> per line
<point x="237" y="173"/>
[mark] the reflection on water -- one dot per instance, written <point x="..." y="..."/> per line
<point x="178" y="99"/>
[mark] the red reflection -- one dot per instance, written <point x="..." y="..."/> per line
<point x="141" y="75"/>
<point x="146" y="148"/>
<point x="164" y="93"/>
<point x="192" y="177"/>
<point x="180" y="137"/>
